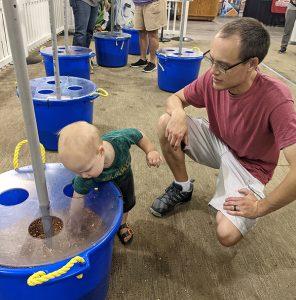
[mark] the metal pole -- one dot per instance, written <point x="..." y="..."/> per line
<point x="19" y="59"/>
<point x="182" y="26"/>
<point x="112" y="16"/>
<point x="66" y="29"/>
<point x="54" y="49"/>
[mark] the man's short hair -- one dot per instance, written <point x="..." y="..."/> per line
<point x="254" y="38"/>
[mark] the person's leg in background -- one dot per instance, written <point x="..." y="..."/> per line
<point x="91" y="24"/>
<point x="153" y="46"/>
<point x="81" y="11"/>
<point x="155" y="17"/>
<point x="289" y="24"/>
<point x="143" y="37"/>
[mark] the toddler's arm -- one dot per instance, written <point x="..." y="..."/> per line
<point x="153" y="158"/>
<point x="77" y="196"/>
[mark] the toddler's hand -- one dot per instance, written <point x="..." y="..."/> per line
<point x="153" y="159"/>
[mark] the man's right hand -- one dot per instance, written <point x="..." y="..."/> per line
<point x="177" y="130"/>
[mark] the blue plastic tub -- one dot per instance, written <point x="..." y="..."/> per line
<point x="53" y="114"/>
<point x="175" y="71"/>
<point x="74" y="63"/>
<point x="134" y="43"/>
<point x="23" y="255"/>
<point x="112" y="49"/>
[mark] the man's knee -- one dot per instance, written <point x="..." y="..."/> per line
<point x="153" y="34"/>
<point x="162" y="124"/>
<point x="228" y="235"/>
<point x="143" y="33"/>
<point x="226" y="238"/>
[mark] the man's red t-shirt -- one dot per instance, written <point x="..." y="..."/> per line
<point x="255" y="125"/>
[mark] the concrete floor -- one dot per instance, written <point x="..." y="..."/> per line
<point x="177" y="257"/>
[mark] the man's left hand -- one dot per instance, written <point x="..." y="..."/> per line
<point x="244" y="206"/>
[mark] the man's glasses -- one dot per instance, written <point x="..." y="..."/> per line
<point x="223" y="68"/>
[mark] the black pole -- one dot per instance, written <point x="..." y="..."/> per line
<point x="162" y="38"/>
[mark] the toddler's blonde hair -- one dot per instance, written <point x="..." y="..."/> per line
<point x="78" y="142"/>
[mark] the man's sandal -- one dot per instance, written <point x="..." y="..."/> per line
<point x="128" y="233"/>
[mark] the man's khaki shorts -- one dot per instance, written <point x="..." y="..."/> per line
<point x="151" y="16"/>
<point x="205" y="148"/>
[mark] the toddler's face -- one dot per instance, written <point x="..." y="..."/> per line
<point x="93" y="167"/>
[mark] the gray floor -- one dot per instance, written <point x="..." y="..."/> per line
<point x="177" y="257"/>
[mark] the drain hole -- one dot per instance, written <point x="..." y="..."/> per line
<point x="13" y="197"/>
<point x="75" y="88"/>
<point x="45" y="92"/>
<point x="52" y="82"/>
<point x="68" y="190"/>
<point x="36" y="227"/>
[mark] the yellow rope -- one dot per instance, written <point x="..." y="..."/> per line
<point x="196" y="49"/>
<point x="102" y="92"/>
<point x="41" y="277"/>
<point x="17" y="152"/>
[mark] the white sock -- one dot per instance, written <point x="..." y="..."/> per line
<point x="186" y="185"/>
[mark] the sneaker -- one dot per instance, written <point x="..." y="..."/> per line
<point x="139" y="63"/>
<point x="150" y="67"/>
<point x="172" y="197"/>
<point x="282" y="50"/>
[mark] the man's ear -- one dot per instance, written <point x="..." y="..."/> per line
<point x="253" y="62"/>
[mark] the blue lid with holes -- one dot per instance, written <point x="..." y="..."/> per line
<point x="173" y="53"/>
<point x="112" y="36"/>
<point x="72" y="88"/>
<point x="129" y="29"/>
<point x="73" y="51"/>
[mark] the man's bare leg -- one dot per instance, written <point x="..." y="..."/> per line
<point x="174" y="159"/>
<point x="153" y="45"/>
<point x="143" y="36"/>
<point x="228" y="235"/>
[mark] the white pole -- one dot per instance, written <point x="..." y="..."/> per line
<point x="66" y="29"/>
<point x="54" y="49"/>
<point x="23" y="25"/>
<point x="293" y="35"/>
<point x="182" y="26"/>
<point x="175" y="16"/>
<point x="19" y="59"/>
<point x="168" y="13"/>
<point x="186" y="19"/>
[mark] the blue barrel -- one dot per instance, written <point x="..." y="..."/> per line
<point x="175" y="71"/>
<point x="52" y="114"/>
<point x="112" y="49"/>
<point x="24" y="251"/>
<point x="134" y="43"/>
<point x="74" y="62"/>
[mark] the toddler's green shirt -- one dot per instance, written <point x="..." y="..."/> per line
<point x="121" y="140"/>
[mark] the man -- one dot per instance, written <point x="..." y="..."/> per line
<point x="85" y="16"/>
<point x="150" y="15"/>
<point x="251" y="118"/>
<point x="290" y="18"/>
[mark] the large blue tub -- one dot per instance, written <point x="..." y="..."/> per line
<point x="53" y="114"/>
<point x="112" y="49"/>
<point x="23" y="255"/>
<point x="134" y="43"/>
<point x="74" y="62"/>
<point x="175" y="71"/>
